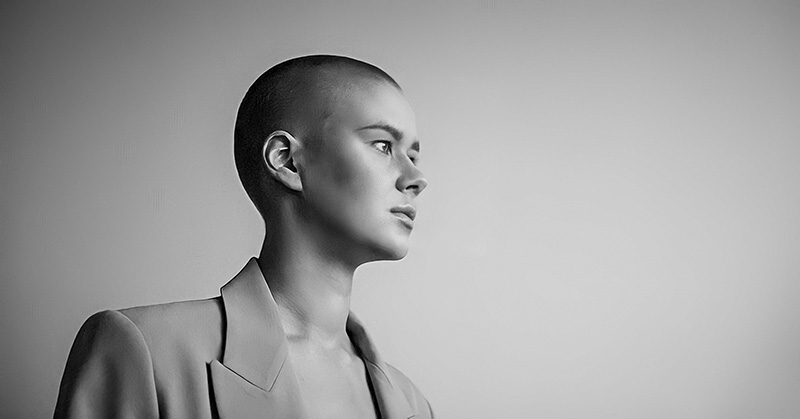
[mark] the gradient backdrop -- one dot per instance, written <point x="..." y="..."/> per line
<point x="611" y="228"/>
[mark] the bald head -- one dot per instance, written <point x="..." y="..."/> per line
<point x="295" y="96"/>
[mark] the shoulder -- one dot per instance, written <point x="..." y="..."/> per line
<point x="182" y="329"/>
<point x="166" y="333"/>
<point x="121" y="359"/>
<point x="109" y="360"/>
<point x="197" y="320"/>
<point x="108" y="331"/>
<point x="418" y="401"/>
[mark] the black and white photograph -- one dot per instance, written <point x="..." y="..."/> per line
<point x="400" y="209"/>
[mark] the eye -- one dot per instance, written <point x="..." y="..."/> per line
<point x="384" y="147"/>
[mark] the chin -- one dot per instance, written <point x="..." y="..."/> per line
<point x="398" y="255"/>
<point x="391" y="250"/>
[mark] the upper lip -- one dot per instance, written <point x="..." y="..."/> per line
<point x="408" y="210"/>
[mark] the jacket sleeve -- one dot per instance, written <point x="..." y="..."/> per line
<point x="109" y="373"/>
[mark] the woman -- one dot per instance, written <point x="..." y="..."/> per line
<point x="326" y="148"/>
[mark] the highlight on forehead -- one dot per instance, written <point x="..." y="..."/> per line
<point x="301" y="91"/>
<point x="315" y="80"/>
<point x="322" y="91"/>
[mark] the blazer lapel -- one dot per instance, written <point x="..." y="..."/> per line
<point x="392" y="402"/>
<point x="253" y="379"/>
<point x="237" y="398"/>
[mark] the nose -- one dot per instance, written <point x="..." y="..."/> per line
<point x="411" y="179"/>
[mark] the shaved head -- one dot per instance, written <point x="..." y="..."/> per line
<point x="295" y="96"/>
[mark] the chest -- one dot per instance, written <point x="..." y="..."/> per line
<point x="334" y="387"/>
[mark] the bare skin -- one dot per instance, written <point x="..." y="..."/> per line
<point x="314" y="313"/>
<point x="339" y="216"/>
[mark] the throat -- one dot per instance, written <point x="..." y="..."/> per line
<point x="320" y="324"/>
<point x="313" y="303"/>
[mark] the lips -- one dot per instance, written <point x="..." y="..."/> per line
<point x="406" y="215"/>
<point x="407" y="210"/>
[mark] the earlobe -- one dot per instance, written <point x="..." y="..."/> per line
<point x="280" y="154"/>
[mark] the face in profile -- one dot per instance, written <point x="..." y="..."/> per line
<point x="361" y="180"/>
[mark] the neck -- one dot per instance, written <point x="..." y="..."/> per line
<point x="310" y="285"/>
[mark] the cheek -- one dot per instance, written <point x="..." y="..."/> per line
<point x="344" y="176"/>
<point x="344" y="182"/>
<point x="357" y="170"/>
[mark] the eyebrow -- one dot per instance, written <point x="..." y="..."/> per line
<point x="393" y="131"/>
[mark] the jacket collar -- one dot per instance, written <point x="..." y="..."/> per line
<point x="256" y="351"/>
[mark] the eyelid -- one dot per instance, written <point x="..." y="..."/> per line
<point x="388" y="145"/>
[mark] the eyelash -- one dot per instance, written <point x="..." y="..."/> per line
<point x="388" y="149"/>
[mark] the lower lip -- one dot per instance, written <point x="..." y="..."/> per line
<point x="405" y="220"/>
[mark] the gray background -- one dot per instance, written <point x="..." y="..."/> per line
<point x="611" y="227"/>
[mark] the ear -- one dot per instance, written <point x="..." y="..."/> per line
<point x="280" y="155"/>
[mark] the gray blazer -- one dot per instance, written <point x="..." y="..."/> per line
<point x="224" y="357"/>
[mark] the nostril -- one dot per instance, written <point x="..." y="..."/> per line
<point x="419" y="185"/>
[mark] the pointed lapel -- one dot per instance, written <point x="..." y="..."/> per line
<point x="254" y="379"/>
<point x="392" y="402"/>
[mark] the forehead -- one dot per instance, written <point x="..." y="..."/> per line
<point x="358" y="103"/>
